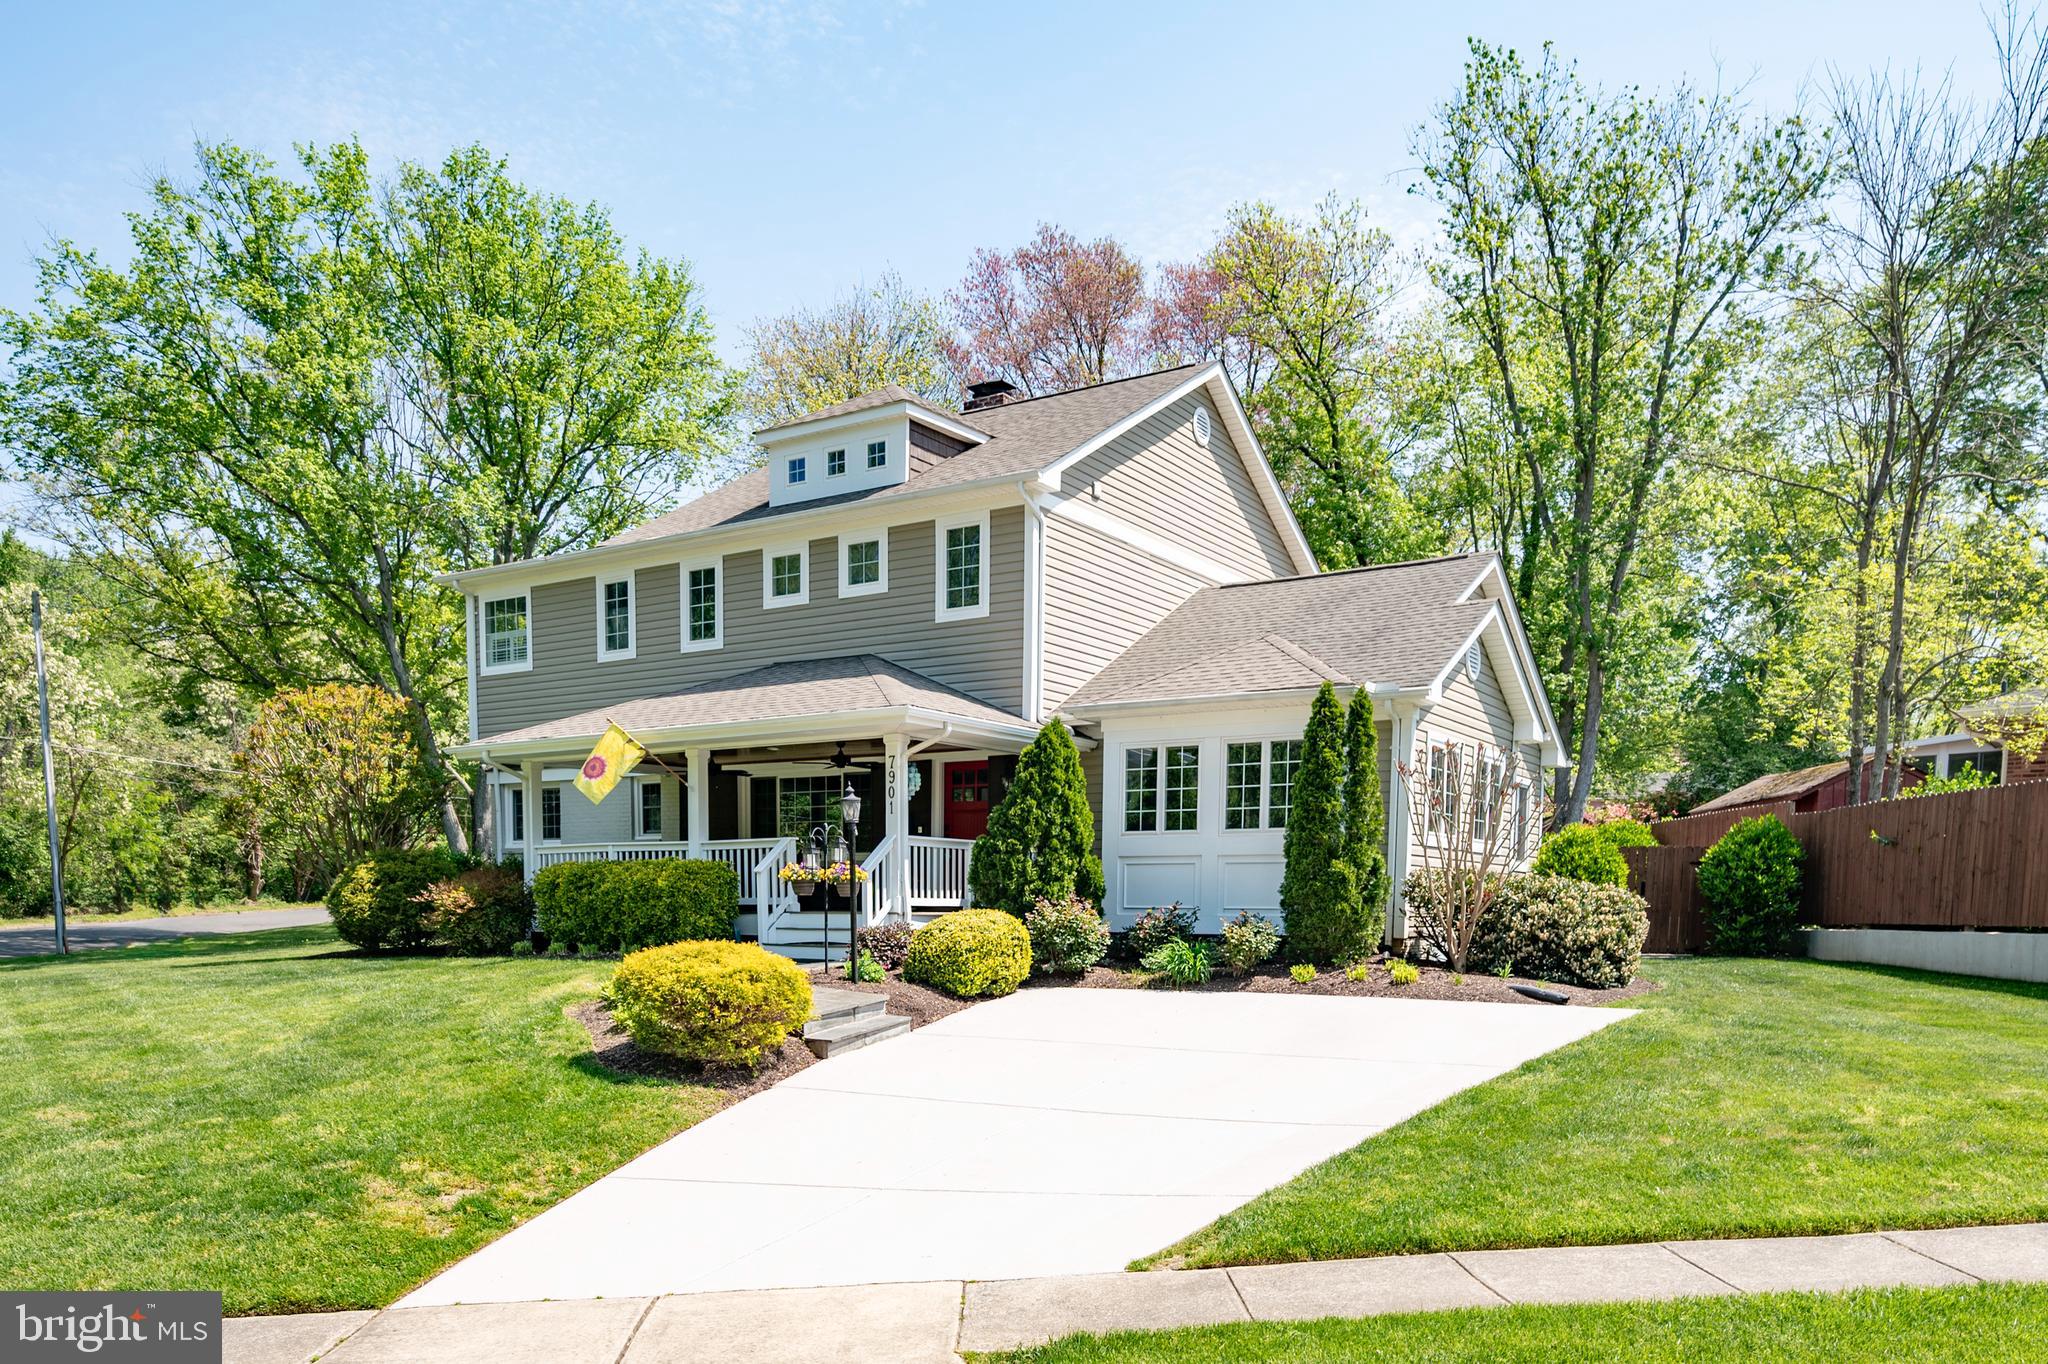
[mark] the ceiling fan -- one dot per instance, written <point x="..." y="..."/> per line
<point x="842" y="763"/>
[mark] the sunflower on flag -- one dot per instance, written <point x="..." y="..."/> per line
<point x="616" y="754"/>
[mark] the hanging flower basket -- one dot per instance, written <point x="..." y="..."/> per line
<point x="841" y="877"/>
<point x="800" y="879"/>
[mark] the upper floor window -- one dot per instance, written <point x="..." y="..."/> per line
<point x="551" y="814"/>
<point x="649" y="810"/>
<point x="864" y="566"/>
<point x="796" y="468"/>
<point x="703" y="600"/>
<point x="787" y="580"/>
<point x="615" y="618"/>
<point x="1162" y="788"/>
<point x="506" y="643"/>
<point x="962" y="585"/>
<point x="878" y="453"/>
<point x="835" y="463"/>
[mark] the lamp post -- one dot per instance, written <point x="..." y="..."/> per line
<point x="849" y="811"/>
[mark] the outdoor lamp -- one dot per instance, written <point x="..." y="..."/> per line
<point x="849" y="806"/>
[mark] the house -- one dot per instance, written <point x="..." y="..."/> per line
<point x="903" y="595"/>
<point x="1824" y="786"/>
<point x="2012" y="733"/>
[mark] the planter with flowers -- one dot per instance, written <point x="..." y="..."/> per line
<point x="842" y="877"/>
<point x="799" y="878"/>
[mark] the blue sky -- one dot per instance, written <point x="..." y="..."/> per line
<point x="788" y="150"/>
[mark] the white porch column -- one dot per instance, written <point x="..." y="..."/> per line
<point x="1400" y="836"/>
<point x="896" y="784"/>
<point x="529" y="792"/>
<point x="699" y="797"/>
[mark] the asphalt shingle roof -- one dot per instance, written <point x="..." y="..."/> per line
<point x="1773" y="786"/>
<point x="880" y="397"/>
<point x="1394" y="623"/>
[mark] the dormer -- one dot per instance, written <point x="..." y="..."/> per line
<point x="852" y="447"/>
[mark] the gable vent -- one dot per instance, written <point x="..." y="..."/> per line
<point x="1202" y="426"/>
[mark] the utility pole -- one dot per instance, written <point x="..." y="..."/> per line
<point x="35" y="613"/>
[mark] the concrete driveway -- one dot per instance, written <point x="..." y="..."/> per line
<point x="1052" y="1132"/>
<point x="37" y="942"/>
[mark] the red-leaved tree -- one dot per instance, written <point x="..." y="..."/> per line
<point x="1056" y="313"/>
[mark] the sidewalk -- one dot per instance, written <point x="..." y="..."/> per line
<point x="912" y="1323"/>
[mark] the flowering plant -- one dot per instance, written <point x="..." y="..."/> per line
<point x="841" y="874"/>
<point x="797" y="872"/>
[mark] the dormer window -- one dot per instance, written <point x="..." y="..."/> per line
<point x="835" y="463"/>
<point x="796" y="469"/>
<point x="878" y="453"/>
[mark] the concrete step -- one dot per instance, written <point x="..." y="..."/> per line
<point x="831" y="1039"/>
<point x="832" y="1005"/>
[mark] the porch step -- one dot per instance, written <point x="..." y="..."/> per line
<point x="830" y="1005"/>
<point x="831" y="1039"/>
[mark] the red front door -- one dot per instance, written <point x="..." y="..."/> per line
<point x="966" y="800"/>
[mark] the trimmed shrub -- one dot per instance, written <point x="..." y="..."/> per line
<point x="716" y="1003"/>
<point x="1365" y="815"/>
<point x="970" y="953"/>
<point x="1583" y="853"/>
<point x="1749" y="889"/>
<point x="1626" y="833"/>
<point x="375" y="903"/>
<point x="620" y="906"/>
<point x="1041" y="835"/>
<point x="1181" y="962"/>
<point x="1319" y="890"/>
<point x="1067" y="936"/>
<point x="1248" y="940"/>
<point x="1155" y="928"/>
<point x="888" y="943"/>
<point x="481" y="912"/>
<point x="1561" y="929"/>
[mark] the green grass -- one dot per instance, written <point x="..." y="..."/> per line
<point x="1748" y="1098"/>
<point x="299" y="1127"/>
<point x="1983" y="1324"/>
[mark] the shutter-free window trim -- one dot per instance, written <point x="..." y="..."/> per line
<point x="703" y="605"/>
<point x="617" y="630"/>
<point x="961" y="568"/>
<point x="507" y="628"/>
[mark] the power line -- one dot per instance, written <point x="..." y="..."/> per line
<point x="139" y="758"/>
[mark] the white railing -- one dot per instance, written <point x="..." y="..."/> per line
<point x="938" y="871"/>
<point x="743" y="855"/>
<point x="877" y="893"/>
<point x="772" y="896"/>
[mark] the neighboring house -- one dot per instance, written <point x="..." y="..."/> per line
<point x="1824" y="786"/>
<point x="2013" y="729"/>
<point x="904" y="595"/>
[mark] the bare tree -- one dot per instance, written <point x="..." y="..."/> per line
<point x="1463" y="821"/>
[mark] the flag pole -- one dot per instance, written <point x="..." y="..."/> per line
<point x="35" y="613"/>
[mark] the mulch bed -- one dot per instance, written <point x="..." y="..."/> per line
<point x="1273" y="979"/>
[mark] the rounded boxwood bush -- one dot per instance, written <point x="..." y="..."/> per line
<point x="1559" y="929"/>
<point x="970" y="953"/>
<point x="1749" y="889"/>
<point x="376" y="904"/>
<point x="1067" y="936"/>
<point x="717" y="1003"/>
<point x="1626" y="833"/>
<point x="1583" y="853"/>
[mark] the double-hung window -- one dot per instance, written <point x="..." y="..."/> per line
<point x="615" y="618"/>
<point x="835" y="463"/>
<point x="863" y="565"/>
<point x="648" y="813"/>
<point x="551" y="814"/>
<point x="703" y="607"/>
<point x="878" y="453"/>
<point x="786" y="576"/>
<point x="962" y="568"/>
<point x="1447" y="782"/>
<point x="1162" y="788"/>
<point x="507" y="646"/>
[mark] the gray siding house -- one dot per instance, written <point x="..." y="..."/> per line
<point x="902" y="596"/>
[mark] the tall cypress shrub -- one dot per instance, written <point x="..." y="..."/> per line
<point x="1319" y="888"/>
<point x="1041" y="835"/>
<point x="1365" y="815"/>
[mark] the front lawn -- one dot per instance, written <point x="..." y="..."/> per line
<point x="298" y="1126"/>
<point x="1982" y="1324"/>
<point x="1749" y="1098"/>
<point x="140" y="912"/>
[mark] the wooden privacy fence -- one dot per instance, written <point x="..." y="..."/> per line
<point x="1968" y="859"/>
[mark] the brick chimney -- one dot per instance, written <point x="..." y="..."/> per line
<point x="990" y="393"/>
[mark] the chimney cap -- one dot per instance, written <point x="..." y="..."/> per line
<point x="989" y="393"/>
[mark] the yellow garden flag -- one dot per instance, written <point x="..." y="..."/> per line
<point x="616" y="754"/>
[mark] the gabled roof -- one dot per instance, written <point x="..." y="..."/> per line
<point x="851" y="684"/>
<point x="1392" y="626"/>
<point x="1775" y="786"/>
<point x="884" y="396"/>
<point x="1023" y="438"/>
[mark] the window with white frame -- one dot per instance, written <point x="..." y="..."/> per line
<point x="786" y="577"/>
<point x="649" y="810"/>
<point x="1489" y="774"/>
<point x="551" y="814"/>
<point x="703" y="607"/>
<point x="863" y="566"/>
<point x="796" y="468"/>
<point x="1183" y="782"/>
<point x="1244" y="770"/>
<point x="835" y="463"/>
<point x="963" y="549"/>
<point x="1162" y="788"/>
<point x="506" y="635"/>
<point x="1522" y="803"/>
<point x="878" y="453"/>
<point x="1141" y="790"/>
<point x="515" y="815"/>
<point x="1284" y="757"/>
<point x="615" y="618"/>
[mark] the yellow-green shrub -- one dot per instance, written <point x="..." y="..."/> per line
<point x="719" y="1003"/>
<point x="970" y="953"/>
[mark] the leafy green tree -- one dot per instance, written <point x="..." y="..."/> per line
<point x="880" y="333"/>
<point x="1365" y="813"/>
<point x="1319" y="890"/>
<point x="1041" y="835"/>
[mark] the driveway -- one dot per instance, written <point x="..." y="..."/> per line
<point x="1052" y="1132"/>
<point x="37" y="942"/>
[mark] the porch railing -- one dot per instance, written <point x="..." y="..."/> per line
<point x="878" y="891"/>
<point x="743" y="855"/>
<point x="938" y="872"/>
<point x="772" y="896"/>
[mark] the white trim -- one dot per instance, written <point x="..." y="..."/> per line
<point x="640" y="783"/>
<point x="716" y="564"/>
<point x="867" y="454"/>
<point x="525" y="664"/>
<point x="605" y="655"/>
<point x="940" y="611"/>
<point x="789" y="467"/>
<point x="915" y="411"/>
<point x="769" y="554"/>
<point x="1034" y="609"/>
<point x="471" y="623"/>
<point x="881" y="583"/>
<point x="840" y="450"/>
<point x="1085" y="513"/>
